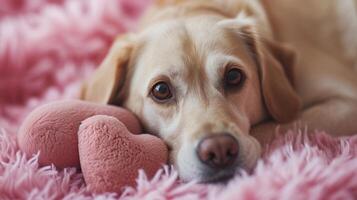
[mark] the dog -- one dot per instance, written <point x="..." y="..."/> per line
<point x="214" y="79"/>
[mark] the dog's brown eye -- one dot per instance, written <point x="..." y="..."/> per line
<point x="161" y="91"/>
<point x="234" y="77"/>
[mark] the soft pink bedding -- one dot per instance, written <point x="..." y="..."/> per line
<point x="48" y="47"/>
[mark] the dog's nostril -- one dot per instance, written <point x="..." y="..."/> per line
<point x="211" y="156"/>
<point x="218" y="151"/>
<point x="230" y="153"/>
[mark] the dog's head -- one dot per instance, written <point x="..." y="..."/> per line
<point x="200" y="83"/>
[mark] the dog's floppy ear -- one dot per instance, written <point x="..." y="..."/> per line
<point x="276" y="67"/>
<point x="108" y="79"/>
<point x="276" y="64"/>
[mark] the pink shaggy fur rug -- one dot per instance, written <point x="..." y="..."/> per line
<point x="48" y="46"/>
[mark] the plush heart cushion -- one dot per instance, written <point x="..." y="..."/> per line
<point x="98" y="138"/>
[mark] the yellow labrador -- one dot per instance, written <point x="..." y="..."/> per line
<point x="207" y="76"/>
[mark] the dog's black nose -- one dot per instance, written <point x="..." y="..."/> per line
<point x="218" y="151"/>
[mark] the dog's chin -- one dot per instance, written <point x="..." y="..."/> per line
<point x="208" y="175"/>
<point x="222" y="177"/>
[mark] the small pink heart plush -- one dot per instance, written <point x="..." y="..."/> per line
<point x="111" y="156"/>
<point x="97" y="138"/>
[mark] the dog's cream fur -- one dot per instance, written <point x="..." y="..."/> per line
<point x="190" y="44"/>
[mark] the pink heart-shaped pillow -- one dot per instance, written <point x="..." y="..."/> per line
<point x="97" y="138"/>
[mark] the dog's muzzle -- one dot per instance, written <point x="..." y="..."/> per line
<point x="219" y="154"/>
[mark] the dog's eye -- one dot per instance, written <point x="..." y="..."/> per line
<point x="234" y="77"/>
<point x="161" y="91"/>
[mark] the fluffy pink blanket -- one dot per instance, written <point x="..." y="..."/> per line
<point x="48" y="46"/>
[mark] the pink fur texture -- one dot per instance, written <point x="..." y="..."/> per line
<point x="48" y="46"/>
